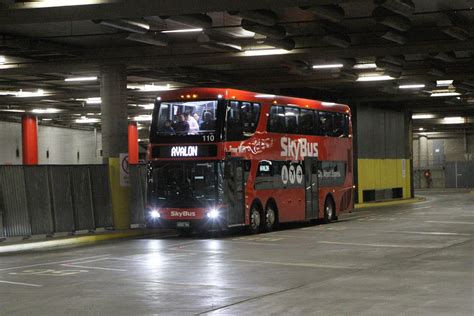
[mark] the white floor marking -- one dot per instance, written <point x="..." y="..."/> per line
<point x="426" y="233"/>
<point x="446" y="222"/>
<point x="96" y="268"/>
<point x="376" y="245"/>
<point x="19" y="283"/>
<point x="88" y="261"/>
<point x="50" y="263"/>
<point x="296" y="264"/>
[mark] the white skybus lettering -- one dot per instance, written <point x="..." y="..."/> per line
<point x="298" y="149"/>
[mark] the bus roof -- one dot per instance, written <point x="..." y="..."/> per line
<point x="189" y="94"/>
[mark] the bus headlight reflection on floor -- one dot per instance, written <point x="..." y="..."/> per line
<point x="213" y="214"/>
<point x="154" y="214"/>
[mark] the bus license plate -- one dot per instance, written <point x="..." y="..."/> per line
<point x="182" y="224"/>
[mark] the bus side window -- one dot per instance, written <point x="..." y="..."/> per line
<point x="326" y="123"/>
<point x="291" y="120"/>
<point x="346" y="125"/>
<point x="276" y="121"/>
<point x="339" y="122"/>
<point x="242" y="119"/>
<point x="306" y="122"/>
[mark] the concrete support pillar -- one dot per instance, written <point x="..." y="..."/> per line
<point x="132" y="143"/>
<point x="29" y="130"/>
<point x="113" y="92"/>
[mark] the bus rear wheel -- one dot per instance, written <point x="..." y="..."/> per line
<point x="270" y="218"/>
<point x="255" y="220"/>
<point x="329" y="210"/>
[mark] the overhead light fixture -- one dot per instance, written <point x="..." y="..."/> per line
<point x="27" y="94"/>
<point x="422" y="116"/>
<point x="265" y="52"/>
<point x="142" y="118"/>
<point x="12" y="110"/>
<point x="183" y="30"/>
<point x="45" y="111"/>
<point x="365" y="66"/>
<point x="421" y="129"/>
<point x="55" y="3"/>
<point x="444" y="94"/>
<point x="411" y="86"/>
<point x="374" y="78"/>
<point x="150" y="87"/>
<point x="87" y="120"/>
<point x="327" y="66"/>
<point x="2" y="60"/>
<point x="72" y="79"/>
<point x="444" y="83"/>
<point x="454" y="120"/>
<point x="149" y="106"/>
<point x="127" y="25"/>
<point x="95" y="100"/>
<point x="46" y="119"/>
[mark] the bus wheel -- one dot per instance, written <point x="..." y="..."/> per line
<point x="270" y="218"/>
<point x="328" y="210"/>
<point x="255" y="220"/>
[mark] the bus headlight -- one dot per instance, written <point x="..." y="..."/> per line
<point x="213" y="214"/>
<point x="154" y="214"/>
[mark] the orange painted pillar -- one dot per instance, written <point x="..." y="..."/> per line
<point x="29" y="134"/>
<point x="132" y="143"/>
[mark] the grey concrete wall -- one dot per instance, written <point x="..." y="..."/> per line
<point x="63" y="145"/>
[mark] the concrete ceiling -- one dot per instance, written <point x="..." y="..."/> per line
<point x="43" y="44"/>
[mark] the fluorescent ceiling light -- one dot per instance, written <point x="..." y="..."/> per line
<point x="47" y="119"/>
<point x="327" y="66"/>
<point x="183" y="30"/>
<point x="365" y="66"/>
<point x="375" y="78"/>
<point x="80" y="79"/>
<point x="444" y="94"/>
<point x="149" y="106"/>
<point x="13" y="110"/>
<point x="45" y="111"/>
<point x="58" y="3"/>
<point x="443" y="83"/>
<point x="23" y="94"/>
<point x="2" y="60"/>
<point x="422" y="116"/>
<point x="265" y="52"/>
<point x="421" y="129"/>
<point x="411" y="86"/>
<point x="267" y="96"/>
<point x="142" y="118"/>
<point x="86" y="120"/>
<point x="150" y="87"/>
<point x="454" y="120"/>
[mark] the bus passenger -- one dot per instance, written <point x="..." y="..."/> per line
<point x="181" y="126"/>
<point x="209" y="124"/>
<point x="193" y="124"/>
<point x="168" y="128"/>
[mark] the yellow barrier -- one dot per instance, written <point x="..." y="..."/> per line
<point x="388" y="203"/>
<point x="120" y="196"/>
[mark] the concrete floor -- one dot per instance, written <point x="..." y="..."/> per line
<point x="410" y="259"/>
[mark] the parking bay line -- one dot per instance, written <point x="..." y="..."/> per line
<point x="377" y="245"/>
<point x="19" y="283"/>
<point x="296" y="264"/>
<point x="96" y="268"/>
<point x="51" y="263"/>
<point x="446" y="222"/>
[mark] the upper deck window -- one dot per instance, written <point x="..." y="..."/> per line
<point x="242" y="120"/>
<point x="186" y="118"/>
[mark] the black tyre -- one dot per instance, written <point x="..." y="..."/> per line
<point x="255" y="220"/>
<point x="329" y="210"/>
<point x="270" y="218"/>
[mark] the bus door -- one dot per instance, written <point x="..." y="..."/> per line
<point x="311" y="187"/>
<point x="234" y="190"/>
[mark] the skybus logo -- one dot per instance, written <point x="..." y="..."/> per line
<point x="298" y="149"/>
<point x="182" y="214"/>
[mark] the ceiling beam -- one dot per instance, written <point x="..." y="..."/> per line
<point x="141" y="8"/>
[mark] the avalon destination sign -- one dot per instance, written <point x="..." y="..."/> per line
<point x="184" y="151"/>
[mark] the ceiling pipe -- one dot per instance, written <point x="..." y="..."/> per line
<point x="388" y="66"/>
<point x="390" y="19"/>
<point x="217" y="43"/>
<point x="339" y="40"/>
<point x="393" y="74"/>
<point x="447" y="57"/>
<point x="286" y="43"/>
<point x="263" y="17"/>
<point x="396" y="60"/>
<point x="156" y="39"/>
<point x="274" y="32"/>
<point x="140" y="27"/>
<point x="194" y="20"/>
<point x="331" y="12"/>
<point x="395" y="36"/>
<point x="402" y="7"/>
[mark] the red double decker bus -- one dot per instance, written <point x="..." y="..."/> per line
<point x="221" y="158"/>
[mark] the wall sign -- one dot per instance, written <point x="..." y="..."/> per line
<point x="124" y="170"/>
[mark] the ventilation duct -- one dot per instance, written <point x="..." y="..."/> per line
<point x="337" y="39"/>
<point x="333" y="13"/>
<point x="195" y="20"/>
<point x="348" y="75"/>
<point x="393" y="74"/>
<point x="395" y="36"/>
<point x="217" y="43"/>
<point x="447" y="57"/>
<point x="437" y="71"/>
<point x="286" y="43"/>
<point x="390" y="19"/>
<point x="396" y="60"/>
<point x="402" y="7"/>
<point x="448" y="27"/>
<point x="463" y="86"/>
<point x="388" y="66"/>
<point x="140" y="27"/>
<point x="155" y="39"/>
<point x="275" y="32"/>
<point x="263" y="17"/>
